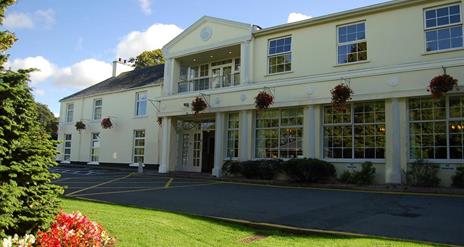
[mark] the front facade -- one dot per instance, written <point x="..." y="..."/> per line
<point x="128" y="100"/>
<point x="387" y="53"/>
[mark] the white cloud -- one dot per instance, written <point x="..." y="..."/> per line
<point x="83" y="74"/>
<point x="17" y="20"/>
<point x="46" y="17"/>
<point x="154" y="37"/>
<point x="38" y="91"/>
<point x="45" y="68"/>
<point x="145" y="6"/>
<point x="295" y="16"/>
<point x="20" y="20"/>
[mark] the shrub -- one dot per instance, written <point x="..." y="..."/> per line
<point x="421" y="173"/>
<point x="308" y="170"/>
<point x="458" y="178"/>
<point x="74" y="230"/>
<point x="363" y="177"/>
<point x="231" y="168"/>
<point x="27" y="241"/>
<point x="260" y="169"/>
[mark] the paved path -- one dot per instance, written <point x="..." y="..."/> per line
<point x="416" y="217"/>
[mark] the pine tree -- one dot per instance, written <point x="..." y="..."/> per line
<point x="28" y="200"/>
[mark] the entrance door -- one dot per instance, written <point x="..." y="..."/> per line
<point x="222" y="76"/>
<point x="208" y="151"/>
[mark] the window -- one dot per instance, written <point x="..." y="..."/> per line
<point x="352" y="43"/>
<point x="139" y="146"/>
<point x="443" y="28"/>
<point x="67" y="147"/>
<point x="97" y="109"/>
<point x="141" y="103"/>
<point x="185" y="149"/>
<point x="357" y="133"/>
<point x="436" y="128"/>
<point x="279" y="133"/>
<point x="95" y="147"/>
<point x="280" y="55"/>
<point x="232" y="135"/>
<point x="196" y="149"/>
<point x="69" y="112"/>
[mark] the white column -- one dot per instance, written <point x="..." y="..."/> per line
<point x="245" y="135"/>
<point x="165" y="145"/>
<point x="245" y="62"/>
<point x="219" y="144"/>
<point x="393" y="142"/>
<point x="309" y="132"/>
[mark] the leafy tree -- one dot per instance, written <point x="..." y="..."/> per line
<point x="28" y="200"/>
<point x="47" y="120"/>
<point x="148" y="58"/>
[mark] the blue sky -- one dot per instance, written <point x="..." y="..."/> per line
<point x="74" y="42"/>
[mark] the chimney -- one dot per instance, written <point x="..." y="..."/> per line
<point x="120" y="66"/>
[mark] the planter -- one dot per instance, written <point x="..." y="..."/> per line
<point x="263" y="100"/>
<point x="80" y="126"/>
<point x="198" y="105"/>
<point x="441" y="84"/>
<point x="341" y="94"/>
<point x="106" y="123"/>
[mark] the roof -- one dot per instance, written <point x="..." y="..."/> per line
<point x="340" y="15"/>
<point x="136" y="78"/>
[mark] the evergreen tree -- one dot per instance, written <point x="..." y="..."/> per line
<point x="28" y="200"/>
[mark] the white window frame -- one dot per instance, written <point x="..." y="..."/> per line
<point x="352" y="42"/>
<point x="69" y="112"/>
<point x="139" y="101"/>
<point x="269" y="56"/>
<point x="446" y="120"/>
<point x="351" y="124"/>
<point x="230" y="129"/>
<point x="67" y="157"/>
<point x="426" y="29"/>
<point x="99" y="107"/>
<point x="134" y="155"/>
<point x="93" y="140"/>
<point x="279" y="129"/>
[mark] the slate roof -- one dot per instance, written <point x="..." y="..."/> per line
<point x="152" y="75"/>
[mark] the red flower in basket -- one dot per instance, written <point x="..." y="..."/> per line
<point x="263" y="100"/>
<point x="340" y="96"/>
<point x="441" y="84"/>
<point x="80" y="125"/>
<point x="106" y="123"/>
<point x="198" y="105"/>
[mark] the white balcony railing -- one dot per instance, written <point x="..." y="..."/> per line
<point x="206" y="83"/>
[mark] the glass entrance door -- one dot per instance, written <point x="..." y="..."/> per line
<point x="222" y="76"/>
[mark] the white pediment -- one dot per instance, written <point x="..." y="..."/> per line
<point x="208" y="33"/>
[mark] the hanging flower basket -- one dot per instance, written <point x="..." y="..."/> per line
<point x="441" y="84"/>
<point x="80" y="126"/>
<point x="263" y="100"/>
<point x="159" y="120"/>
<point x="340" y="96"/>
<point x="106" y="123"/>
<point x="198" y="105"/>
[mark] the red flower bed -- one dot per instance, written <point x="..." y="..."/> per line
<point x="263" y="100"/>
<point x="198" y="105"/>
<point x="106" y="123"/>
<point x="441" y="84"/>
<point x="74" y="230"/>
<point x="340" y="96"/>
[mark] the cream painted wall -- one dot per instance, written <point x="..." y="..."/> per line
<point x="394" y="38"/>
<point x="223" y="32"/>
<point x="117" y="142"/>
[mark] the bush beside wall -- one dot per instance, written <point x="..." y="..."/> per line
<point x="365" y="176"/>
<point x="423" y="174"/>
<point x="458" y="178"/>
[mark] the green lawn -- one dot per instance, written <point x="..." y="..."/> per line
<point x="143" y="227"/>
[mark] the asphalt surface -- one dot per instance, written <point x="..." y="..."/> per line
<point x="438" y="219"/>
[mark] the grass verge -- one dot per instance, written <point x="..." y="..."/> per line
<point x="143" y="227"/>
